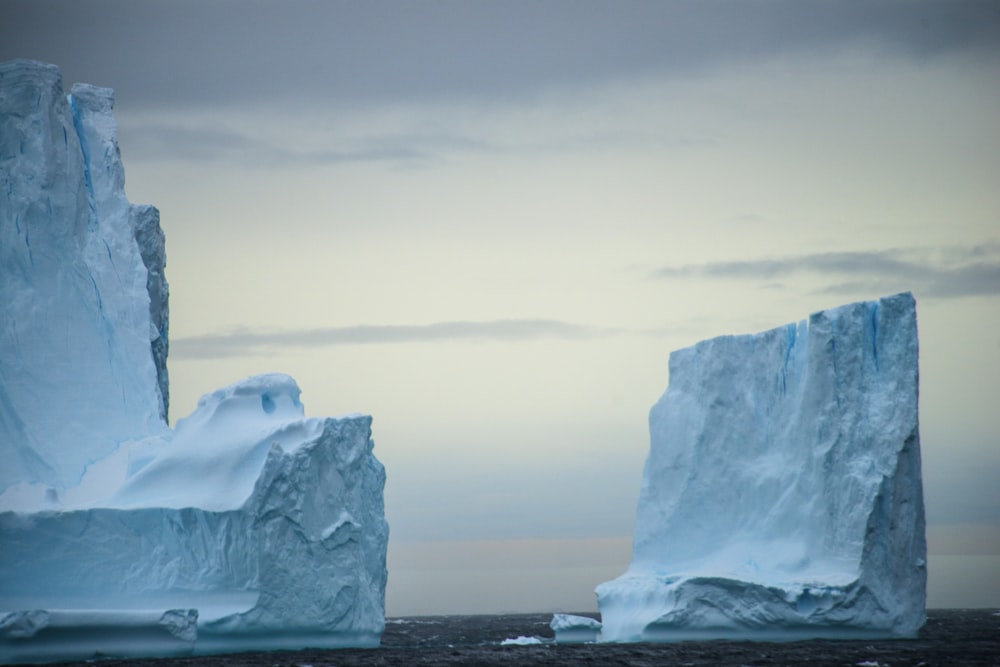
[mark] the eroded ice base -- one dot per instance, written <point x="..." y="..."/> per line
<point x="73" y="634"/>
<point x="660" y="608"/>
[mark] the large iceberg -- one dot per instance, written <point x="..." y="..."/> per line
<point x="246" y="526"/>
<point x="782" y="496"/>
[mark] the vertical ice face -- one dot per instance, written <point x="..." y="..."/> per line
<point x="75" y="331"/>
<point x="782" y="495"/>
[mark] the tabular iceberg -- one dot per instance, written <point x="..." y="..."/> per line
<point x="247" y="526"/>
<point x="782" y="495"/>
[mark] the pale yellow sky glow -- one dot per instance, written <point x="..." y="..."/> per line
<point x="615" y="218"/>
<point x="574" y="229"/>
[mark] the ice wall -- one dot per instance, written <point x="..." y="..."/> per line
<point x="782" y="495"/>
<point x="76" y="336"/>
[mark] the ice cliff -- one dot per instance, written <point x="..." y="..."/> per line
<point x="247" y="526"/>
<point x="78" y="300"/>
<point x="782" y="495"/>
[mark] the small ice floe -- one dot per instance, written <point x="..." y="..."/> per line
<point x="572" y="629"/>
<point x="522" y="641"/>
<point x="868" y="663"/>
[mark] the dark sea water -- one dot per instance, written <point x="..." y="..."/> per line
<point x="951" y="638"/>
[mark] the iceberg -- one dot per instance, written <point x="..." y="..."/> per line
<point x="247" y="526"/>
<point x="782" y="495"/>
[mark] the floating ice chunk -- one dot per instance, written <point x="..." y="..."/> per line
<point x="522" y="641"/>
<point x="572" y="629"/>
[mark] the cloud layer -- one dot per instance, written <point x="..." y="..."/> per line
<point x="378" y="51"/>
<point x="247" y="341"/>
<point x="951" y="272"/>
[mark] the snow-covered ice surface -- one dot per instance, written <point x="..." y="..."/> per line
<point x="247" y="526"/>
<point x="782" y="495"/>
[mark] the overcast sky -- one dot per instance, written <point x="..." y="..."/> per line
<point x="487" y="224"/>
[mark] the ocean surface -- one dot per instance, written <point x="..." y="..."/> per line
<point x="951" y="638"/>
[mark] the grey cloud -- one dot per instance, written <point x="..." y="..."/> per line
<point x="168" y="53"/>
<point x="975" y="279"/>
<point x="950" y="272"/>
<point x="838" y="262"/>
<point x="165" y="141"/>
<point x="160" y="141"/>
<point x="246" y="341"/>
